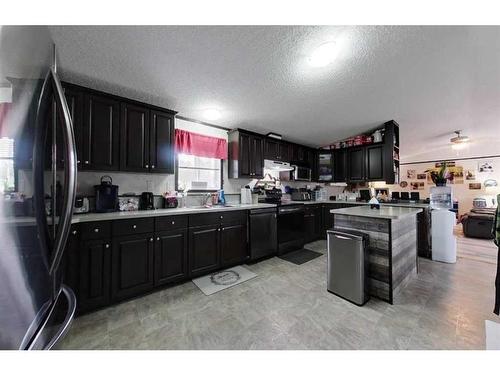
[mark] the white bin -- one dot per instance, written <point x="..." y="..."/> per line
<point x="444" y="243"/>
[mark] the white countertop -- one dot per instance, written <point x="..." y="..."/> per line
<point x="82" y="218"/>
<point x="385" y="212"/>
<point x="399" y="204"/>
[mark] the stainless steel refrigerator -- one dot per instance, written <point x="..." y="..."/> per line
<point x="36" y="308"/>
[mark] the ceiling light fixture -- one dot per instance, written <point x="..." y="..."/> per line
<point x="458" y="139"/>
<point x="323" y="55"/>
<point x="212" y="114"/>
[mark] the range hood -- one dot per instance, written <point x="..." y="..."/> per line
<point x="277" y="166"/>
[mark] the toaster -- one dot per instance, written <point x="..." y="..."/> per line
<point x="81" y="206"/>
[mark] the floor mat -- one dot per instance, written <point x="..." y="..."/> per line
<point x="221" y="280"/>
<point x="300" y="256"/>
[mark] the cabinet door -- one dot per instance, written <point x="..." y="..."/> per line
<point x="95" y="274"/>
<point x="340" y="166"/>
<point x="325" y="166"/>
<point x="134" y="135"/>
<point x="101" y="133"/>
<point x="204" y="249"/>
<point x="356" y="162"/>
<point x="374" y="163"/>
<point x="257" y="157"/>
<point x="171" y="261"/>
<point x="72" y="261"/>
<point x="309" y="227"/>
<point x="272" y="149"/>
<point x="132" y="265"/>
<point x="318" y="222"/>
<point x="233" y="244"/>
<point x="74" y="98"/>
<point x="286" y="152"/>
<point x="161" y="145"/>
<point x="244" y="164"/>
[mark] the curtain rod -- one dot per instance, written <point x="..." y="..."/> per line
<point x="202" y="123"/>
<point x="455" y="159"/>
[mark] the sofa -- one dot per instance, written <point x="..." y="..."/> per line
<point x="478" y="223"/>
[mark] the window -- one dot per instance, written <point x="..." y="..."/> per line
<point x="6" y="165"/>
<point x="198" y="173"/>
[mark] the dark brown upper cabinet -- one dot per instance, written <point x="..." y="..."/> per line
<point x="273" y="149"/>
<point x="246" y="155"/>
<point x="101" y="133"/>
<point x="161" y="142"/>
<point x="74" y="98"/>
<point x="375" y="163"/>
<point x="356" y="164"/>
<point x="134" y="136"/>
<point x="340" y="165"/>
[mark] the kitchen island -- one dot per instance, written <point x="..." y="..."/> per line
<point x="392" y="246"/>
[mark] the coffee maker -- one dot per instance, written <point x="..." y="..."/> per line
<point x="147" y="201"/>
<point x="106" y="195"/>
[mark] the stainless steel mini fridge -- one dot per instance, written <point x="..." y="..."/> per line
<point x="348" y="265"/>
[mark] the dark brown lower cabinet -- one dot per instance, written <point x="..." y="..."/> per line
<point x="204" y="249"/>
<point x="95" y="276"/>
<point x="313" y="223"/>
<point x="132" y="265"/>
<point x="233" y="244"/>
<point x="71" y="261"/>
<point x="171" y="251"/>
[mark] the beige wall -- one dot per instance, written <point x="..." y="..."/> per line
<point x="461" y="192"/>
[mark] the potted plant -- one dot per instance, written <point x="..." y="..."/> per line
<point x="441" y="176"/>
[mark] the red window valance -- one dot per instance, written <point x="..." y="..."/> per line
<point x="200" y="145"/>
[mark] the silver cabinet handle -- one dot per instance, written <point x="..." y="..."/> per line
<point x="74" y="232"/>
<point x="147" y="165"/>
<point x="218" y="230"/>
<point x="106" y="246"/>
<point x="151" y="239"/>
<point x="86" y="161"/>
<point x="157" y="238"/>
<point x="173" y="222"/>
<point x="134" y="226"/>
<point x="152" y="166"/>
<point x="78" y="162"/>
<point x="222" y="217"/>
<point x="96" y="230"/>
<point x="275" y="216"/>
<point x="223" y="229"/>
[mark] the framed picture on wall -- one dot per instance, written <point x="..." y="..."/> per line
<point x="475" y="186"/>
<point x="470" y="175"/>
<point x="411" y="174"/>
<point x="417" y="185"/>
<point x="485" y="167"/>
<point x="421" y="176"/>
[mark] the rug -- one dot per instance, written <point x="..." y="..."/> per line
<point x="224" y="279"/>
<point x="300" y="256"/>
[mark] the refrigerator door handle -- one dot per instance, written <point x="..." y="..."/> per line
<point x="64" y="224"/>
<point x="65" y="325"/>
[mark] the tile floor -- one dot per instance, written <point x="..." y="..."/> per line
<point x="287" y="307"/>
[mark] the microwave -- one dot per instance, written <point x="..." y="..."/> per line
<point x="301" y="173"/>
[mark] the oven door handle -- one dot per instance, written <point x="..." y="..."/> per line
<point x="290" y="210"/>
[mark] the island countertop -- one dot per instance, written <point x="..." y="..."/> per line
<point x="385" y="212"/>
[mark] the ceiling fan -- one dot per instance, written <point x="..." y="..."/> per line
<point x="459" y="141"/>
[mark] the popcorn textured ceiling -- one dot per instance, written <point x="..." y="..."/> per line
<point x="431" y="79"/>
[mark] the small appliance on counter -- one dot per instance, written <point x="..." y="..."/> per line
<point x="128" y="202"/>
<point x="170" y="202"/>
<point x="246" y="195"/>
<point x="82" y="205"/>
<point x="147" y="201"/>
<point x="106" y="195"/>
<point x="300" y="195"/>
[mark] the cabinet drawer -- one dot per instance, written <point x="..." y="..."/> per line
<point x="167" y="223"/>
<point x="95" y="230"/>
<point x="133" y="226"/>
<point x="233" y="217"/>
<point x="214" y="218"/>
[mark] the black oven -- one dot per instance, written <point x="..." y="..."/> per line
<point x="290" y="228"/>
